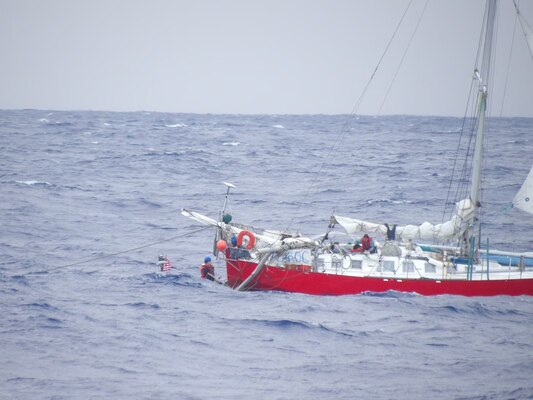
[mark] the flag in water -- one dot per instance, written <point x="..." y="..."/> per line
<point x="167" y="266"/>
<point x="164" y="264"/>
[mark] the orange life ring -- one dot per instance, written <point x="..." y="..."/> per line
<point x="250" y="236"/>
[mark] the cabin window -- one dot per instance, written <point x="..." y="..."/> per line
<point x="408" y="266"/>
<point x="430" y="268"/>
<point x="388" y="266"/>
<point x="357" y="264"/>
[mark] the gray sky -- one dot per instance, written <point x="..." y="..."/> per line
<point x="253" y="56"/>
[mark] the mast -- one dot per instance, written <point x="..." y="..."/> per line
<point x="482" y="76"/>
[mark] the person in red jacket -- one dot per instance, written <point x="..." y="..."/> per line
<point x="366" y="243"/>
<point x="207" y="270"/>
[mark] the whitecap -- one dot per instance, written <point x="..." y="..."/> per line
<point x="231" y="143"/>
<point x="44" y="120"/>
<point x="95" y="142"/>
<point x="32" y="183"/>
<point x="389" y="201"/>
<point x="176" y="126"/>
<point x="279" y="126"/>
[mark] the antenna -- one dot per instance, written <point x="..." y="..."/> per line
<point x="229" y="186"/>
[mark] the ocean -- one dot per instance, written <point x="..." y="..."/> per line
<point x="90" y="199"/>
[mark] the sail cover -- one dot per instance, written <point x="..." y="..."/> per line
<point x="524" y="198"/>
<point x="450" y="229"/>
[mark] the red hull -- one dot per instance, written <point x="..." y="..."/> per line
<point x="274" y="278"/>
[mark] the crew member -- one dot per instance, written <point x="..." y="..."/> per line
<point x="367" y="244"/>
<point x="391" y="232"/>
<point x="357" y="247"/>
<point x="207" y="270"/>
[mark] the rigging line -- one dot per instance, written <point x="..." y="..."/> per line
<point x="360" y="100"/>
<point x="500" y="211"/>
<point x="457" y="154"/>
<point x="523" y="22"/>
<point x="344" y="129"/>
<point x="465" y="176"/>
<point x="509" y="63"/>
<point x="123" y="251"/>
<point x="403" y="57"/>
<point x="471" y="97"/>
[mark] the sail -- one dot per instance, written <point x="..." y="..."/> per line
<point x="199" y="217"/>
<point x="426" y="231"/>
<point x="264" y="238"/>
<point x="524" y="198"/>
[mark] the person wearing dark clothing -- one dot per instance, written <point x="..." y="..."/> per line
<point x="357" y="247"/>
<point x="391" y="232"/>
<point x="207" y="270"/>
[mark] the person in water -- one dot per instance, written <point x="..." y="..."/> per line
<point x="207" y="270"/>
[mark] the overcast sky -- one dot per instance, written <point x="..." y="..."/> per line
<point x="253" y="56"/>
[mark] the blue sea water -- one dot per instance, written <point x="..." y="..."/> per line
<point x="90" y="199"/>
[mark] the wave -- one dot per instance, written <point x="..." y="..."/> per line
<point x="231" y="143"/>
<point x="142" y="305"/>
<point x="288" y="324"/>
<point x="42" y="306"/>
<point x="149" y="203"/>
<point x="389" y="201"/>
<point x="393" y="294"/>
<point x="20" y="280"/>
<point x="34" y="183"/>
<point x="478" y="309"/>
<point x="150" y="151"/>
<point x="55" y="123"/>
<point x="175" y="125"/>
<point x="175" y="279"/>
<point x="159" y="227"/>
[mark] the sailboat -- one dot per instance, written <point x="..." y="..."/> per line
<point x="411" y="257"/>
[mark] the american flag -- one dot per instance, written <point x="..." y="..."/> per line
<point x="165" y="265"/>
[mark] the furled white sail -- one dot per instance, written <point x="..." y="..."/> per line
<point x="524" y="198"/>
<point x="427" y="231"/>
<point x="264" y="238"/>
<point x="199" y="217"/>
